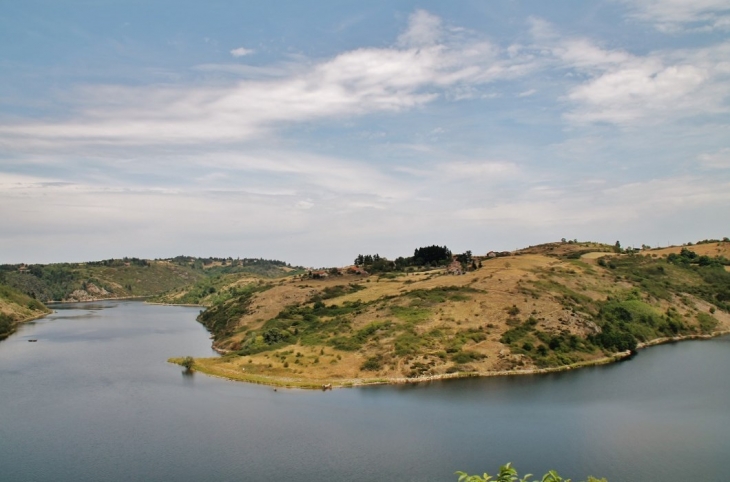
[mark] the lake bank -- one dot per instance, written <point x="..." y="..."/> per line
<point x="212" y="367"/>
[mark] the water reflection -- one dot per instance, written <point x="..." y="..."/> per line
<point x="106" y="405"/>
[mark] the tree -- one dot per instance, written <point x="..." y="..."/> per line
<point x="188" y="362"/>
<point x="617" y="247"/>
<point x="433" y="255"/>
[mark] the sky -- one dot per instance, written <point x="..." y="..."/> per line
<point x="314" y="131"/>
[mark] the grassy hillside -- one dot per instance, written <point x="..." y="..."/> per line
<point x="542" y="307"/>
<point x="183" y="279"/>
<point x="97" y="280"/>
<point x="223" y="282"/>
<point x="16" y="307"/>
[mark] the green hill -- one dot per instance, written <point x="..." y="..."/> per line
<point x="542" y="308"/>
<point x="122" y="278"/>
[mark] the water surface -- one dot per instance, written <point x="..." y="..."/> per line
<point x="94" y="399"/>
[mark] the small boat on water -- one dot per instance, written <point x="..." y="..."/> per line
<point x="32" y="340"/>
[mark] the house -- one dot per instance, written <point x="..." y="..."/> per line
<point x="491" y="254"/>
<point x="357" y="270"/>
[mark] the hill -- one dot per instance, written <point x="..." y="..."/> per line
<point x="132" y="277"/>
<point x="15" y="308"/>
<point x="224" y="281"/>
<point x="542" y="308"/>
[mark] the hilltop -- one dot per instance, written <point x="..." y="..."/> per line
<point x="541" y="308"/>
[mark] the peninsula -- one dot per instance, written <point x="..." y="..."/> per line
<point x="550" y="307"/>
<point x="428" y="316"/>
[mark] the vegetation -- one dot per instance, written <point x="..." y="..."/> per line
<point x="545" y="307"/>
<point x="97" y="280"/>
<point x="507" y="473"/>
<point x="16" y="307"/>
<point x="134" y="277"/>
<point x="221" y="319"/>
<point x="428" y="256"/>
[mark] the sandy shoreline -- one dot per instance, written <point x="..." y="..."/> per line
<point x="289" y="382"/>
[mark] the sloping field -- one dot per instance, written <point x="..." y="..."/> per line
<point x="721" y="248"/>
<point x="540" y="308"/>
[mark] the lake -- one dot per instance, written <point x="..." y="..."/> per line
<point x="94" y="399"/>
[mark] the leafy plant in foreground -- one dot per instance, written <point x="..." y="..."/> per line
<point x="507" y="473"/>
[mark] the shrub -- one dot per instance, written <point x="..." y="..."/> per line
<point x="188" y="362"/>
<point x="466" y="356"/>
<point x="507" y="473"/>
<point x="372" y="364"/>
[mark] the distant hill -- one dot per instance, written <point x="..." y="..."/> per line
<point x="224" y="279"/>
<point x="542" y="307"/>
<point x="15" y="308"/>
<point x="130" y="277"/>
<point x="116" y="278"/>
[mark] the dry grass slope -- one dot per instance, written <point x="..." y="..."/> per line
<point x="543" y="308"/>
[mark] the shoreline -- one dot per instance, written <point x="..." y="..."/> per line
<point x="189" y="305"/>
<point x="302" y="383"/>
<point x="123" y="298"/>
<point x="92" y="300"/>
<point x="26" y="320"/>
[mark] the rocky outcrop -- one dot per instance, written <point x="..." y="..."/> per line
<point x="91" y="293"/>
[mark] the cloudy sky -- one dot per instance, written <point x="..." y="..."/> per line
<point x="314" y="131"/>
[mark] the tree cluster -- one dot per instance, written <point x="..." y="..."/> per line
<point x="687" y="257"/>
<point x="424" y="256"/>
<point x="432" y="255"/>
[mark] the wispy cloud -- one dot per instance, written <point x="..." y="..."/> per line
<point x="425" y="63"/>
<point x="622" y="88"/>
<point x="715" y="160"/>
<point x="241" y="51"/>
<point x="674" y="16"/>
<point x="437" y="135"/>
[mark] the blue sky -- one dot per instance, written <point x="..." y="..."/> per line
<point x="314" y="131"/>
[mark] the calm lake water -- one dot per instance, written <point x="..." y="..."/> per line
<point x="94" y="399"/>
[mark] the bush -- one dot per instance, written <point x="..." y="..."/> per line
<point x="466" y="357"/>
<point x="188" y="362"/>
<point x="372" y="364"/>
<point x="507" y="473"/>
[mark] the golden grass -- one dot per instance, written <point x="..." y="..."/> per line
<point x="522" y="280"/>
<point x="709" y="249"/>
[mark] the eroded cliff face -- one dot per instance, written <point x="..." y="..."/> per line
<point x="91" y="293"/>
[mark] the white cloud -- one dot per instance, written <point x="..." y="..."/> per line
<point x="353" y="83"/>
<point x="241" y="51"/>
<point x="715" y="160"/>
<point x="618" y="87"/>
<point x="645" y="92"/>
<point x="424" y="29"/>
<point x="682" y="15"/>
